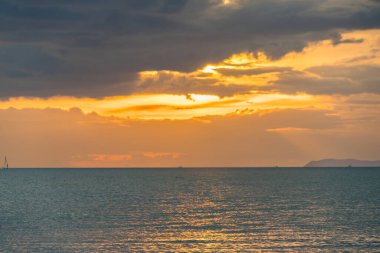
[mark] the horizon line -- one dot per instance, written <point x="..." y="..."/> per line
<point x="195" y="167"/>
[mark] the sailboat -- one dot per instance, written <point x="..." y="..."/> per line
<point x="6" y="165"/>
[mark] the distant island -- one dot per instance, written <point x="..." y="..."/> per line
<point x="343" y="163"/>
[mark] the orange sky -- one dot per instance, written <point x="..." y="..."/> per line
<point x="247" y="110"/>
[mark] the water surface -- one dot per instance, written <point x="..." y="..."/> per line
<point x="190" y="210"/>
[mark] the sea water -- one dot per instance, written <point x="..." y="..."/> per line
<point x="190" y="210"/>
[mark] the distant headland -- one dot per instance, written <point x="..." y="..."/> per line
<point x="343" y="163"/>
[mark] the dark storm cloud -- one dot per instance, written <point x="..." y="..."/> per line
<point x="258" y="71"/>
<point x="13" y="10"/>
<point x="95" y="48"/>
<point x="337" y="39"/>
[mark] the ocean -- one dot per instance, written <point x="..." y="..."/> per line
<point x="190" y="210"/>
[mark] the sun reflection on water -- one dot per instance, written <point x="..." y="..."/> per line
<point x="188" y="210"/>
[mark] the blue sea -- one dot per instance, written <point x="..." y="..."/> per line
<point x="190" y="210"/>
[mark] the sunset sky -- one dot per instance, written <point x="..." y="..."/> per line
<point x="156" y="83"/>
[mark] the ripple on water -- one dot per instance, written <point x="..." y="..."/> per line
<point x="192" y="210"/>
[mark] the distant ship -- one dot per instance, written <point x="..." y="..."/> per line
<point x="5" y="165"/>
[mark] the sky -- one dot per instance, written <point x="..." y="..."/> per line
<point x="192" y="83"/>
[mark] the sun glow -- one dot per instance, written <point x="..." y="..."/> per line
<point x="209" y="69"/>
<point x="163" y="106"/>
<point x="203" y="98"/>
<point x="247" y="59"/>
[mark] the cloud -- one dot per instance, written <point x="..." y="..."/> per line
<point x="147" y="158"/>
<point x="364" y="99"/>
<point x="110" y="157"/>
<point x="338" y="39"/>
<point x="155" y="155"/>
<point x="171" y="82"/>
<point x="165" y="106"/>
<point x="89" y="48"/>
<point x="287" y="129"/>
<point x="35" y="12"/>
<point x="255" y="71"/>
<point x="331" y="80"/>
